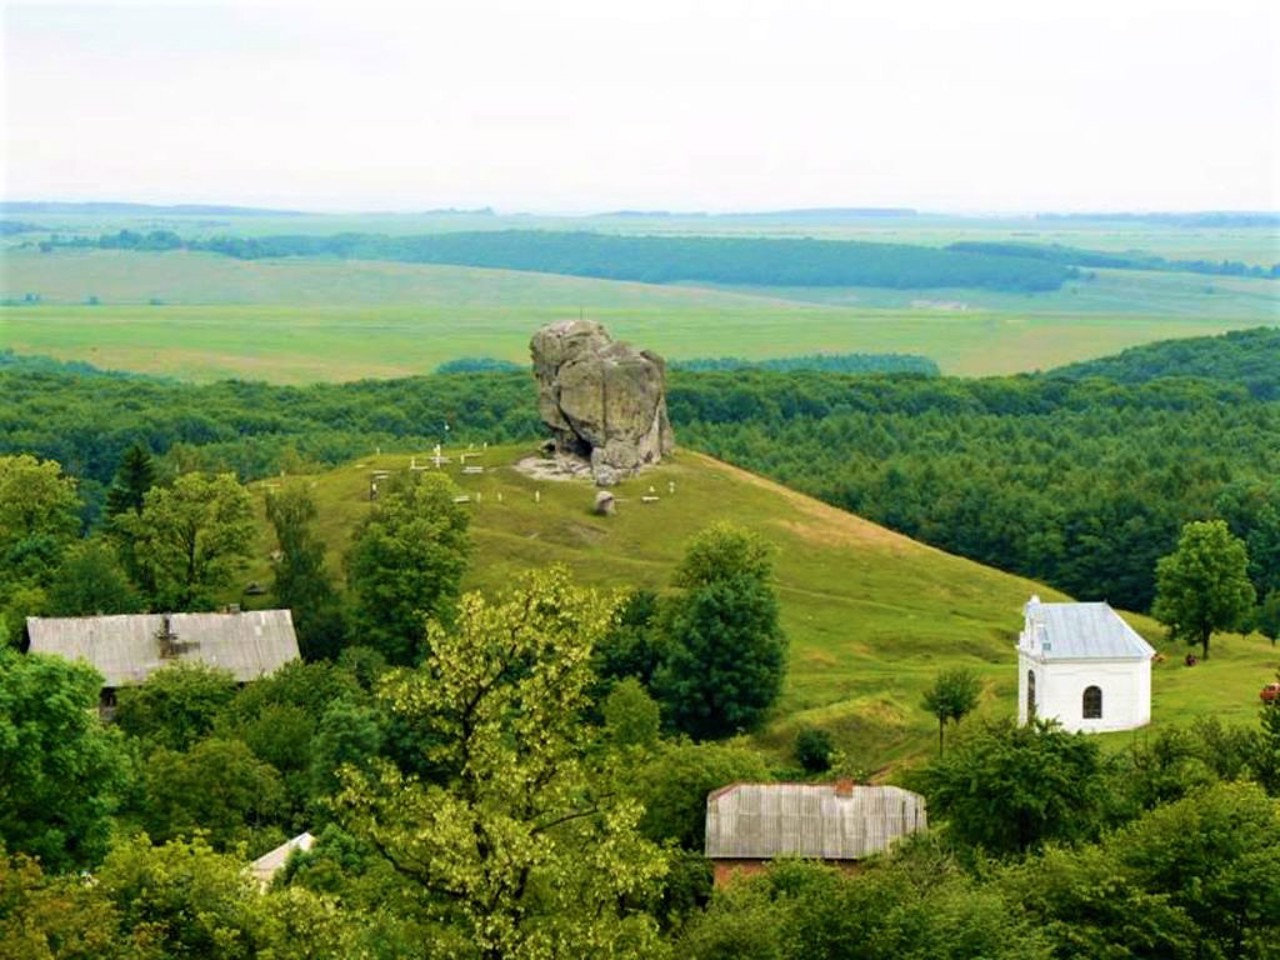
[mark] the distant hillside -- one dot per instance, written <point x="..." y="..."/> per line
<point x="1203" y="218"/>
<point x="1248" y="357"/>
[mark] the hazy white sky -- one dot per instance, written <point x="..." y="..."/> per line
<point x="582" y="105"/>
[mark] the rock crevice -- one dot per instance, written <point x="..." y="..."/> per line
<point x="603" y="400"/>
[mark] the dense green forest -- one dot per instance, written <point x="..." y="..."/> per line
<point x="1250" y="358"/>
<point x="1080" y="478"/>
<point x="754" y="261"/>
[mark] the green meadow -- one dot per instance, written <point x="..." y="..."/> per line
<point x="204" y="317"/>
<point x="871" y="615"/>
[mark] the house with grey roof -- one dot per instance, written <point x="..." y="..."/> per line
<point x="128" y="648"/>
<point x="1082" y="665"/>
<point x="750" y="824"/>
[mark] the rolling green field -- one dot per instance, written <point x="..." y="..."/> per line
<point x="204" y="317"/>
<point x="871" y="615"/>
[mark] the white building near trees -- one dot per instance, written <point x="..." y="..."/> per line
<point x="1080" y="664"/>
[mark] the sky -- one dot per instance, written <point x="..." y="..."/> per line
<point x="575" y="106"/>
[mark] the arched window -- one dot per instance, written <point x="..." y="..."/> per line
<point x="1093" y="703"/>
<point x="1031" y="694"/>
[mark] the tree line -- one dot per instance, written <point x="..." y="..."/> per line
<point x="1078" y="257"/>
<point x="749" y="261"/>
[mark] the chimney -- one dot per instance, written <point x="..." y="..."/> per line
<point x="844" y="787"/>
<point x="168" y="639"/>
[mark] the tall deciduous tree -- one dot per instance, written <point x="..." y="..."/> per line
<point x="194" y="537"/>
<point x="38" y="517"/>
<point x="520" y="849"/>
<point x="952" y="697"/>
<point x="406" y="564"/>
<point x="60" y="770"/>
<point x="726" y="653"/>
<point x="1203" y="585"/>
<point x="301" y="582"/>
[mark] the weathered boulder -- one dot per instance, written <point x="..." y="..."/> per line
<point x="604" y="400"/>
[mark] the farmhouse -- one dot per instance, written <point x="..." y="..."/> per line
<point x="1083" y="666"/>
<point x="127" y="649"/>
<point x="749" y="824"/>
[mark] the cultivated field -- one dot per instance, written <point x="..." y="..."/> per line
<point x="205" y="317"/>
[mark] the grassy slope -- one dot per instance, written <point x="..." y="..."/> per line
<point x="295" y="321"/>
<point x="871" y="615"/>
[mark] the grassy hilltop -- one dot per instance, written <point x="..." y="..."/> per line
<point x="871" y="615"/>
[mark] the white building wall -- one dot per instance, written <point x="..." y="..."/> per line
<point x="1060" y="686"/>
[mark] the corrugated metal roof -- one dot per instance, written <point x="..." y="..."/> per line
<point x="766" y="820"/>
<point x="1085" y="631"/>
<point x="270" y="863"/>
<point x="126" y="649"/>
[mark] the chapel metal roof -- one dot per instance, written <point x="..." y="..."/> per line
<point x="766" y="820"/>
<point x="1085" y="631"/>
<point x="126" y="649"/>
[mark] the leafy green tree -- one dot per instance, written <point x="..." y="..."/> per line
<point x="185" y="898"/>
<point x="91" y="582"/>
<point x="953" y="696"/>
<point x="193" y="538"/>
<point x="1009" y="789"/>
<point x="301" y="582"/>
<point x="61" y="772"/>
<point x="809" y="911"/>
<point x="1088" y="905"/>
<point x="632" y="647"/>
<point x="405" y="564"/>
<point x="632" y="718"/>
<point x="348" y="734"/>
<point x="38" y="518"/>
<point x="1267" y="617"/>
<point x="43" y="916"/>
<point x="725" y="653"/>
<point x="1203" y="585"/>
<point x="519" y="849"/>
<point x="673" y="783"/>
<point x="219" y="788"/>
<point x="1265" y="761"/>
<point x="1216" y="855"/>
<point x="178" y="704"/>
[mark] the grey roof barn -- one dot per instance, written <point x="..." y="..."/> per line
<point x="127" y="649"/>
<point x="760" y="821"/>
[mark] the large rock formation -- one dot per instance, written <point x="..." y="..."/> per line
<point x="604" y="400"/>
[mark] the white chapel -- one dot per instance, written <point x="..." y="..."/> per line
<point x="1080" y="664"/>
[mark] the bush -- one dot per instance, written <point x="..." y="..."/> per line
<point x="814" y="750"/>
